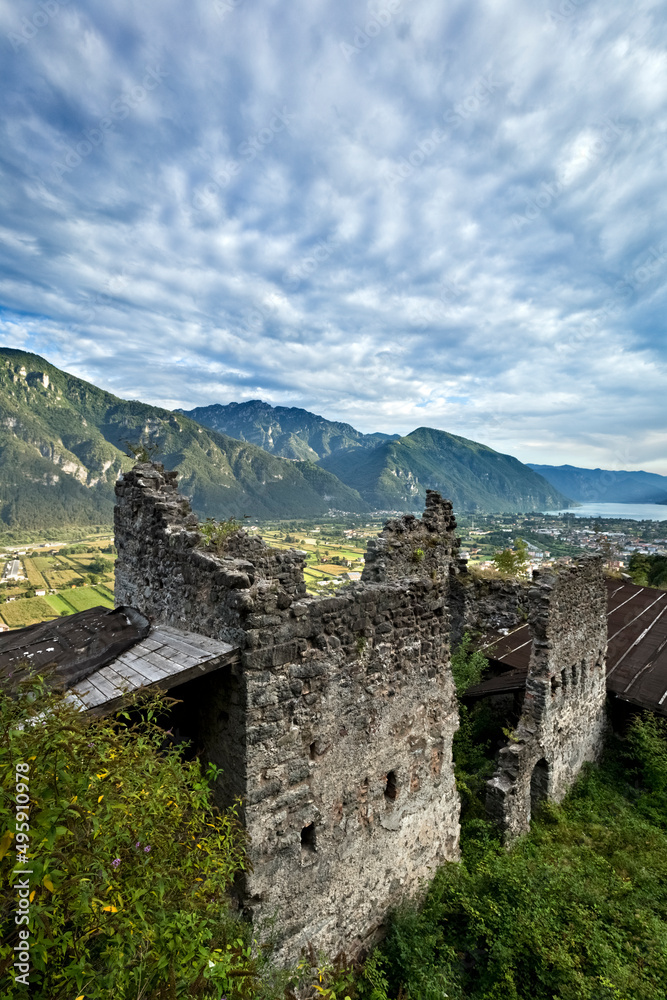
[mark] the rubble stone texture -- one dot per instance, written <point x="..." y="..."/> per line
<point x="486" y="605"/>
<point x="563" y="719"/>
<point x="336" y="728"/>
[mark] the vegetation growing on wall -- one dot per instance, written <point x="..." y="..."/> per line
<point x="131" y="864"/>
<point x="513" y="562"/>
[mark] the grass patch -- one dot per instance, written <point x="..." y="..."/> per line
<point x="35" y="578"/>
<point x="26" y="611"/>
<point x="59" y="605"/>
<point x="83" y="598"/>
<point x="577" y="910"/>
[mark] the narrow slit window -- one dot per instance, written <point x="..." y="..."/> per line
<point x="308" y="838"/>
<point x="391" y="788"/>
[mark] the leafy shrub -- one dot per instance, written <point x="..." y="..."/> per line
<point x="577" y="910"/>
<point x="468" y="665"/>
<point x="130" y="860"/>
<point x="142" y="451"/>
<point x="648" y="570"/>
<point x="513" y="562"/>
<point x="216" y="533"/>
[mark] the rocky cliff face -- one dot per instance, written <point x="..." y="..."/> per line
<point x="282" y="430"/>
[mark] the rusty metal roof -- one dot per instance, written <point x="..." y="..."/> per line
<point x="636" y="651"/>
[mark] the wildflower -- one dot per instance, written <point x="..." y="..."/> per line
<point x="138" y="844"/>
<point x="147" y="848"/>
<point x="115" y="862"/>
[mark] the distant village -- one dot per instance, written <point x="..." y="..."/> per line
<point x="42" y="579"/>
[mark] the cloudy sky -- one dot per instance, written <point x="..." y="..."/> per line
<point x="448" y="213"/>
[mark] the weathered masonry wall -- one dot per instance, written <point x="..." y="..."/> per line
<point x="486" y="605"/>
<point x="563" y="718"/>
<point x="337" y="728"/>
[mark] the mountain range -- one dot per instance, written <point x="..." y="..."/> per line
<point x="63" y="442"/>
<point x="390" y="472"/>
<point x="284" y="430"/>
<point x="605" y="486"/>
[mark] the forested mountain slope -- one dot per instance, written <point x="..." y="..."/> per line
<point x="63" y="442"/>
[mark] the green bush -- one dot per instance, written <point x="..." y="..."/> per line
<point x="648" y="570"/>
<point x="468" y="665"/>
<point x="216" y="533"/>
<point x="577" y="910"/>
<point x="513" y="562"/>
<point x="130" y="860"/>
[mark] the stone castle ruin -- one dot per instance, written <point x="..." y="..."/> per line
<point x="334" y="723"/>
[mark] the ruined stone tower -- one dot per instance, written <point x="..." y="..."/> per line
<point x="563" y="718"/>
<point x="335" y="725"/>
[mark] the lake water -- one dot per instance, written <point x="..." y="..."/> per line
<point x="628" y="511"/>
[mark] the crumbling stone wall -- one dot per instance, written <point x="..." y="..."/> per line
<point x="337" y="728"/>
<point x="165" y="570"/>
<point x="479" y="604"/>
<point x="410" y="547"/>
<point x="563" y="717"/>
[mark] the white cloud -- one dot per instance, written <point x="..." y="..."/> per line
<point x="458" y="226"/>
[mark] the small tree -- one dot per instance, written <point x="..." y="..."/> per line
<point x="513" y="562"/>
<point x="468" y="665"/>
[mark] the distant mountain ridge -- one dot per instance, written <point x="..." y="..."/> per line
<point x="284" y="430"/>
<point x="391" y="472"/>
<point x="63" y="443"/>
<point x="474" y="477"/>
<point x="604" y="485"/>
